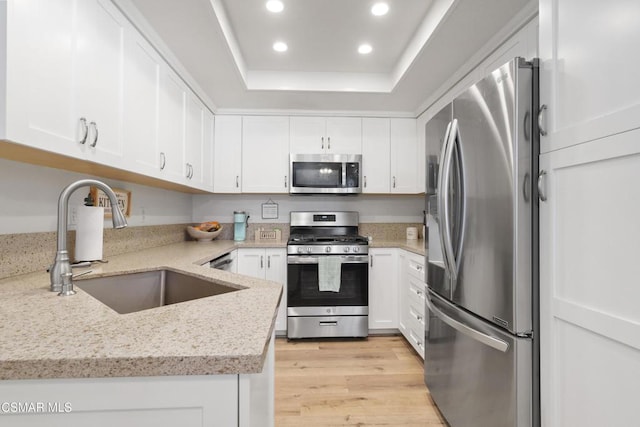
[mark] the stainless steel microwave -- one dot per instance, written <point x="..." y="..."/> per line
<point x="325" y="173"/>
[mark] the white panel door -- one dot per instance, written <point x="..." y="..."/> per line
<point x="277" y="271"/>
<point x="99" y="79"/>
<point x="265" y="154"/>
<point x="172" y="126"/>
<point x="141" y="105"/>
<point x="307" y="135"/>
<point x="588" y="69"/>
<point x="344" y="135"/>
<point x="403" y="293"/>
<point x="404" y="156"/>
<point x="589" y="292"/>
<point x="376" y="148"/>
<point x="383" y="289"/>
<point x="227" y="154"/>
<point x="40" y="78"/>
<point x="251" y="262"/>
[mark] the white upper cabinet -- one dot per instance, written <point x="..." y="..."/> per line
<point x="142" y="68"/>
<point x="65" y="73"/>
<point x="588" y="71"/>
<point x="404" y="156"/>
<point x="265" y="154"/>
<point x="376" y="149"/>
<point x="172" y="126"/>
<point x="227" y="155"/>
<point x="330" y="135"/>
<point x="195" y="159"/>
<point x="99" y="78"/>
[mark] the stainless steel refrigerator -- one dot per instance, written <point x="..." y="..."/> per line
<point x="481" y="354"/>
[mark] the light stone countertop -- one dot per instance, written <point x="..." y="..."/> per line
<point x="43" y="335"/>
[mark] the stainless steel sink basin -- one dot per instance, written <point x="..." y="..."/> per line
<point x="128" y="293"/>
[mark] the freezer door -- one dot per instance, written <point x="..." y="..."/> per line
<point x="477" y="374"/>
<point x="492" y="128"/>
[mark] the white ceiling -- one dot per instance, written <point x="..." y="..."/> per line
<point x="226" y="47"/>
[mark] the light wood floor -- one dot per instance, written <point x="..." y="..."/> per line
<point x="373" y="382"/>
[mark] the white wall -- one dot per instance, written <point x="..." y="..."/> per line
<point x="371" y="208"/>
<point x="29" y="199"/>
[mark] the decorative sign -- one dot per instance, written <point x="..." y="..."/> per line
<point x="270" y="210"/>
<point x="100" y="199"/>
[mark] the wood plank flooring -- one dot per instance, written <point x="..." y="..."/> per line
<point x="373" y="382"/>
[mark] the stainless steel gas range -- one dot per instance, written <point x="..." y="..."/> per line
<point x="327" y="276"/>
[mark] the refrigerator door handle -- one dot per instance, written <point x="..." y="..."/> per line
<point x="439" y="216"/>
<point x="443" y="185"/>
<point x="496" y="343"/>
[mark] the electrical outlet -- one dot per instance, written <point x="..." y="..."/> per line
<point x="74" y="216"/>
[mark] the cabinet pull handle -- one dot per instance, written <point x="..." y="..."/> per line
<point x="163" y="160"/>
<point x="188" y="171"/>
<point x="541" y="193"/>
<point x="365" y="181"/>
<point x="85" y="130"/>
<point x="95" y="138"/>
<point x="285" y="181"/>
<point x="329" y="142"/>
<point x="322" y="142"/>
<point x="261" y="261"/>
<point x="237" y="181"/>
<point x="394" y="182"/>
<point x="419" y="293"/>
<point x="371" y="260"/>
<point x="268" y="261"/>
<point x="419" y="267"/>
<point x="541" y="113"/>
<point x="419" y="318"/>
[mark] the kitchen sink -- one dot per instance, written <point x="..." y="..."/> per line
<point x="128" y="293"/>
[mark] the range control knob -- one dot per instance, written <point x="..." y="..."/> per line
<point x="300" y="250"/>
<point x="327" y="249"/>
<point x="346" y="248"/>
<point x="308" y="249"/>
<point x="356" y="249"/>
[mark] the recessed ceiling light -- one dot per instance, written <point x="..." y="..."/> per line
<point x="280" y="47"/>
<point x="380" y="9"/>
<point x="364" y="49"/>
<point x="275" y="6"/>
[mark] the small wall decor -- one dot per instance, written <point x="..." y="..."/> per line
<point x="100" y="199"/>
<point x="270" y="210"/>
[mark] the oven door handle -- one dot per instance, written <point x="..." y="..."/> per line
<point x="313" y="259"/>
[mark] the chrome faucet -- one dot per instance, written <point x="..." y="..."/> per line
<point x="61" y="276"/>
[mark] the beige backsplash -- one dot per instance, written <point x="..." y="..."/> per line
<point x="29" y="252"/>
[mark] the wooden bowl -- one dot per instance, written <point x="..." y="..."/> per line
<point x="203" y="236"/>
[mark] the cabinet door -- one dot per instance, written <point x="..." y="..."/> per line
<point x="251" y="262"/>
<point x="277" y="271"/>
<point x="141" y="105"/>
<point x="194" y="141"/>
<point x="40" y="48"/>
<point x="207" y="150"/>
<point x="265" y="154"/>
<point x="588" y="96"/>
<point x="383" y="289"/>
<point x="172" y="126"/>
<point x="227" y="154"/>
<point x="404" y="156"/>
<point x="99" y="79"/>
<point x="343" y="135"/>
<point x="376" y="148"/>
<point x="403" y="293"/>
<point x="308" y="135"/>
<point x="589" y="293"/>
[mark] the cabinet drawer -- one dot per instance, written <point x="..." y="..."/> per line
<point x="416" y="268"/>
<point x="417" y="341"/>
<point x="416" y="295"/>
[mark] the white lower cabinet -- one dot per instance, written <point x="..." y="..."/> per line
<point x="383" y="289"/>
<point x="268" y="264"/>
<point x="244" y="400"/>
<point x="411" y="279"/>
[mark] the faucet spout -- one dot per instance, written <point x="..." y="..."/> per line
<point x="61" y="268"/>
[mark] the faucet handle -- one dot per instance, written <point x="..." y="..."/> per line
<point x="67" y="285"/>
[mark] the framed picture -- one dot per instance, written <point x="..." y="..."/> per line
<point x="270" y="210"/>
<point x="100" y="199"/>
